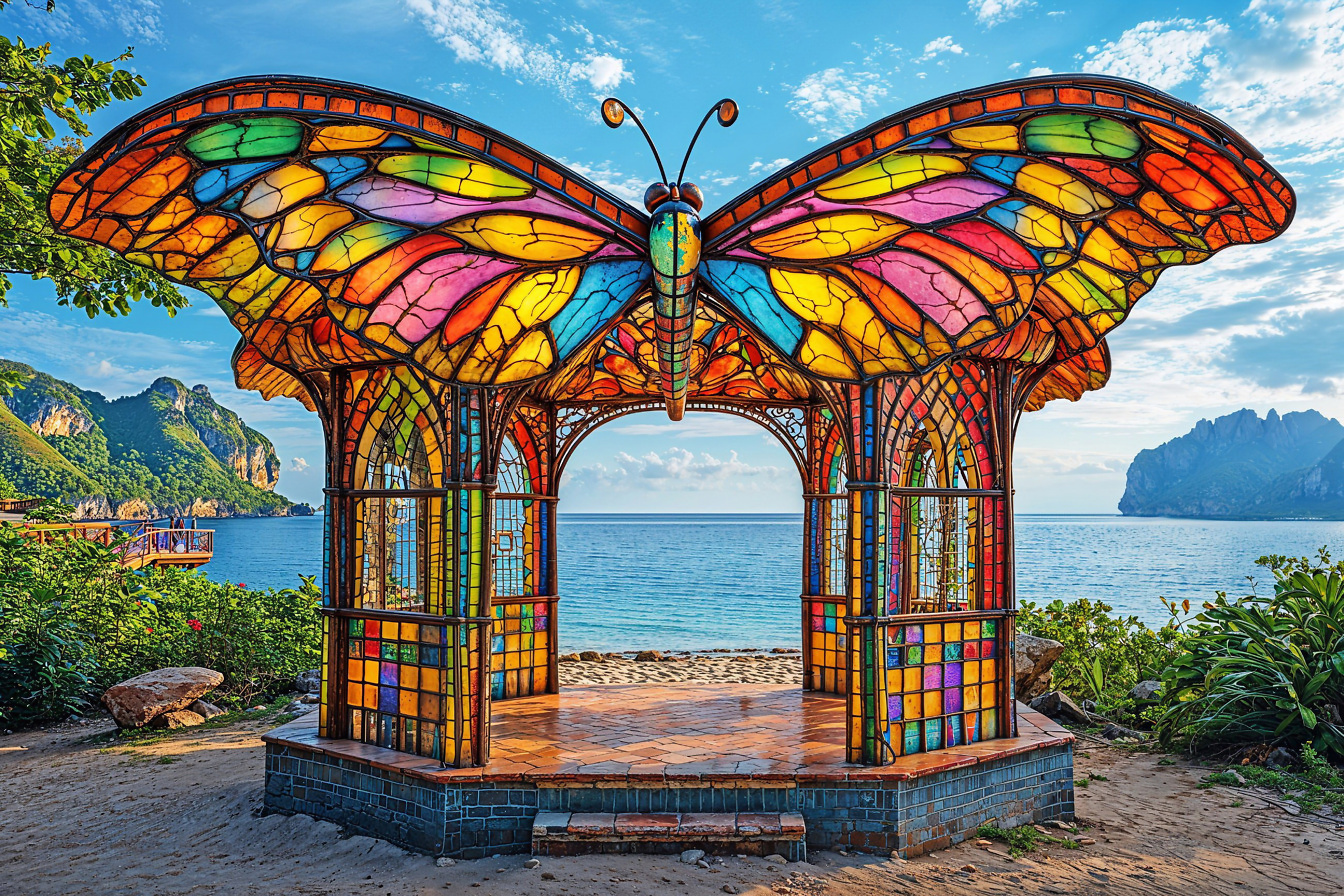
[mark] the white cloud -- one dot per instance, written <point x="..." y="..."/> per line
<point x="1276" y="76"/>
<point x="940" y="45"/>
<point x="1163" y="54"/>
<point x="298" y="465"/>
<point x="603" y="72"/>
<point x="677" y="469"/>
<point x="1039" y="70"/>
<point x="479" y="32"/>
<point x="760" y="167"/>
<point x="137" y="20"/>
<point x="836" y="100"/>
<point x="993" y="12"/>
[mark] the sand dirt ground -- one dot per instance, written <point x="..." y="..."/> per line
<point x="181" y="815"/>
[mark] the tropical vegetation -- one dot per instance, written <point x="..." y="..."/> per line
<point x="73" y="622"/>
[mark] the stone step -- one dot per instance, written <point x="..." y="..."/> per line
<point x="748" y="833"/>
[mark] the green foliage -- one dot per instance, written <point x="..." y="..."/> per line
<point x="1264" y="669"/>
<point x="38" y="96"/>
<point x="10" y="380"/>
<point x="1022" y="839"/>
<point x="73" y="622"/>
<point x="1104" y="655"/>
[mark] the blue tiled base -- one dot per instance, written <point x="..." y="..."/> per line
<point x="475" y="818"/>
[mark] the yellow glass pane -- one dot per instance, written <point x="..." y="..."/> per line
<point x="970" y="697"/>
<point x="829" y="236"/>
<point x="525" y="238"/>
<point x="933" y="703"/>
<point x="889" y="174"/>
<point x="988" y="695"/>
<point x="429" y="679"/>
<point x="914" y="678"/>
<point x="914" y="707"/>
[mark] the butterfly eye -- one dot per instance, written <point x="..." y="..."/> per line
<point x="691" y="195"/>
<point x="655" y="195"/>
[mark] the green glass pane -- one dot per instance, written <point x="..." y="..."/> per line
<point x="1082" y="135"/>
<point x="249" y="138"/>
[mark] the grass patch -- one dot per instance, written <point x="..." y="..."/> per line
<point x="1023" y="839"/>
<point x="1317" y="785"/>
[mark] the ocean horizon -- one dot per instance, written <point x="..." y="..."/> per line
<point x="687" y="581"/>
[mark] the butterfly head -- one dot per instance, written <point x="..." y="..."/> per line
<point x="659" y="194"/>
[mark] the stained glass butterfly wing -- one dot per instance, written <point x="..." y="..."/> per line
<point x="1050" y="203"/>
<point x="334" y="224"/>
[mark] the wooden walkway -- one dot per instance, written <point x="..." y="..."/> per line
<point x="146" y="545"/>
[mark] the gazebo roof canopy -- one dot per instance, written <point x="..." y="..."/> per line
<point x="340" y="225"/>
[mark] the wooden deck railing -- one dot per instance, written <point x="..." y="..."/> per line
<point x="147" y="545"/>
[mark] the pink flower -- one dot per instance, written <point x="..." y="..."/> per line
<point x="195" y="624"/>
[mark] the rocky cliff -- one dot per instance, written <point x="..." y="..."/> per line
<point x="1240" y="466"/>
<point x="169" y="451"/>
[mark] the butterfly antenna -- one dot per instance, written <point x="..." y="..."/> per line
<point x="727" y="112"/>
<point x="614" y="112"/>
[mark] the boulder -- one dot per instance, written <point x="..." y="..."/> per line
<point x="590" y="656"/>
<point x="135" y="701"/>
<point x="648" y="656"/>
<point x="568" y="658"/>
<point x="1145" y="691"/>
<point x="309" y="682"/>
<point x="204" y="709"/>
<point x="178" y="718"/>
<point x="1033" y="657"/>
<point x="1059" y="707"/>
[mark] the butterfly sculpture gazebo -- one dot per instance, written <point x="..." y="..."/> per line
<point x="461" y="311"/>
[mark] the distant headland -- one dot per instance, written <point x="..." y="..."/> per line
<point x="1240" y="466"/>
<point x="169" y="451"/>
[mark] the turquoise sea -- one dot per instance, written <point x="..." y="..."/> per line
<point x="679" y="581"/>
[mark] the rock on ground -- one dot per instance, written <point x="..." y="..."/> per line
<point x="1145" y="690"/>
<point x="135" y="701"/>
<point x="1058" y="706"/>
<point x="204" y="709"/>
<point x="178" y="718"/>
<point x="309" y="682"/>
<point x="1033" y="658"/>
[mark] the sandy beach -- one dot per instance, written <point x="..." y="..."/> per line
<point x="182" y="815"/>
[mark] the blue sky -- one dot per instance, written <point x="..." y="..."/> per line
<point x="1258" y="327"/>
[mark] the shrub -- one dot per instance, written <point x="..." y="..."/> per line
<point x="73" y="622"/>
<point x="1264" y="669"/>
<point x="1104" y="655"/>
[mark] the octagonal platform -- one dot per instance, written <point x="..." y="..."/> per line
<point x="722" y="749"/>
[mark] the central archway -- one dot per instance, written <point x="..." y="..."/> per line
<point x="537" y="444"/>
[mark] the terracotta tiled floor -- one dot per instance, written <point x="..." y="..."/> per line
<point x="678" y="733"/>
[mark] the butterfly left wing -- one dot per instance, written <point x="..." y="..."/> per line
<point x="1021" y="220"/>
<point x="335" y="224"/>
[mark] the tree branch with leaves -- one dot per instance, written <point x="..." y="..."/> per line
<point x="38" y="97"/>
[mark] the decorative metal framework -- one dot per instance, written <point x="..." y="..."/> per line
<point x="461" y="311"/>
